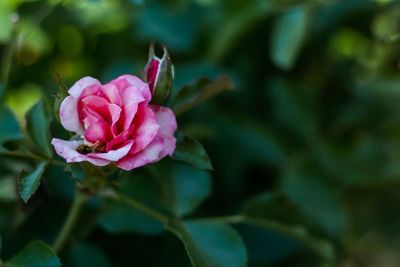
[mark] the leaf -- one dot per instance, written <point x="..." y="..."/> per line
<point x="83" y="255"/>
<point x="321" y="247"/>
<point x="271" y="205"/>
<point x="183" y="188"/>
<point x="6" y="22"/>
<point x="210" y="244"/>
<point x="288" y="36"/>
<point x="35" y="254"/>
<point x="176" y="28"/>
<point x="191" y="96"/>
<point x="236" y="25"/>
<point x="260" y="209"/>
<point x="7" y="189"/>
<point x="38" y="127"/>
<point x="10" y="129"/>
<point x="191" y="151"/>
<point x="76" y="170"/>
<point x="2" y="91"/>
<point x="118" y="217"/>
<point x="29" y="183"/>
<point x="318" y="199"/>
<point x="291" y="110"/>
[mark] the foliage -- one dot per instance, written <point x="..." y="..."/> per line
<point x="288" y="145"/>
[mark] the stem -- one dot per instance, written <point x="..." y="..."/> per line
<point x="233" y="219"/>
<point x="79" y="200"/>
<point x="19" y="154"/>
<point x="144" y="209"/>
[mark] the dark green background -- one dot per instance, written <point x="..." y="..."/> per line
<point x="313" y="125"/>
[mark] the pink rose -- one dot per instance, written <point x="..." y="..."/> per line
<point x="115" y="123"/>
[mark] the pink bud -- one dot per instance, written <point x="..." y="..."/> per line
<point x="159" y="75"/>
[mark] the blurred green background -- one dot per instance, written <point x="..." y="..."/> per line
<point x="310" y="136"/>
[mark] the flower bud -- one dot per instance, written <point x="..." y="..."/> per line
<point x="159" y="74"/>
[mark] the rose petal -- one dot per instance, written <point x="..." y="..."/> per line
<point x="80" y="85"/>
<point x="89" y="119"/>
<point x="146" y="127"/>
<point x="97" y="105"/>
<point x="131" y="97"/>
<point x="113" y="155"/>
<point x="99" y="131"/>
<point x="127" y="80"/>
<point x="167" y="121"/>
<point x="67" y="150"/>
<point x="110" y="91"/>
<point x="115" y="112"/>
<point x="118" y="140"/>
<point x="146" y="156"/>
<point x="69" y="115"/>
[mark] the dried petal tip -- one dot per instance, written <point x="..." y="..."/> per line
<point x="159" y="75"/>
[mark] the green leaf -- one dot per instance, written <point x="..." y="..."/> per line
<point x="292" y="110"/>
<point x="318" y="199"/>
<point x="191" y="96"/>
<point x="271" y="205"/>
<point x="236" y="25"/>
<point x="38" y="127"/>
<point x="35" y="254"/>
<point x="29" y="183"/>
<point x="6" y="22"/>
<point x="211" y="244"/>
<point x="183" y="188"/>
<point x="2" y="91"/>
<point x="191" y="151"/>
<point x="118" y="217"/>
<point x="286" y="221"/>
<point x="76" y="170"/>
<point x="288" y="36"/>
<point x="321" y="247"/>
<point x="8" y="189"/>
<point x="10" y="129"/>
<point x="175" y="28"/>
<point x="84" y="255"/>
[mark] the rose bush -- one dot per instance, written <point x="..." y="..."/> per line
<point x="115" y="123"/>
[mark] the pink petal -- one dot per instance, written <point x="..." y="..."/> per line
<point x="97" y="105"/>
<point x="99" y="131"/>
<point x="146" y="127"/>
<point x="80" y="85"/>
<point x="67" y="150"/>
<point x="146" y="156"/>
<point x="115" y="112"/>
<point x="118" y="140"/>
<point x="113" y="155"/>
<point x="127" y="80"/>
<point x="152" y="72"/>
<point x="167" y="121"/>
<point x="131" y="97"/>
<point x="110" y="91"/>
<point x="89" y="119"/>
<point x="69" y="115"/>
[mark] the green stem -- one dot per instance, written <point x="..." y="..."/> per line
<point x="222" y="219"/>
<point x="73" y="215"/>
<point x="142" y="208"/>
<point x="19" y="154"/>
